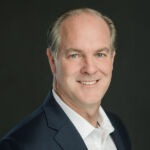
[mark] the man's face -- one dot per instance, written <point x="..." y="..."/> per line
<point x="83" y="69"/>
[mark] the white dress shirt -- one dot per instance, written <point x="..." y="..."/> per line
<point x="94" y="138"/>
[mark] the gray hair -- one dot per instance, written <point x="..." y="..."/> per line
<point x="54" y="37"/>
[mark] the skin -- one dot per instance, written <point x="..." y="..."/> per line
<point x="83" y="68"/>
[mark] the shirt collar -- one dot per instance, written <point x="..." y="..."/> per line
<point x="81" y="124"/>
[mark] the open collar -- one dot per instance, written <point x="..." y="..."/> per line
<point x="67" y="137"/>
<point x="81" y="124"/>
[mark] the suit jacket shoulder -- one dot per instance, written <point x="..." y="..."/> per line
<point x="47" y="128"/>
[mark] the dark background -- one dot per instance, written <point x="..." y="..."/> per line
<point x="25" y="76"/>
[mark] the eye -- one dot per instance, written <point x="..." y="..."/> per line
<point x="74" y="55"/>
<point x="100" y="55"/>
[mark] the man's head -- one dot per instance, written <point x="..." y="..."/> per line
<point x="54" y="37"/>
<point x="81" y="56"/>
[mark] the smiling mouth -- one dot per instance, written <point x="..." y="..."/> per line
<point x="89" y="83"/>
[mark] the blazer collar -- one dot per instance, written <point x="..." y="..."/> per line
<point x="55" y="116"/>
<point x="118" y="140"/>
<point x="116" y="135"/>
<point x="67" y="136"/>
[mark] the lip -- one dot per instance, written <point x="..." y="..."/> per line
<point x="87" y="83"/>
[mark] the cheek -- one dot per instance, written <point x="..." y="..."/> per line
<point x="72" y="66"/>
<point x="106" y="67"/>
<point x="67" y="69"/>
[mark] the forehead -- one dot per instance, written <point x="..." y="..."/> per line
<point x="84" y="28"/>
<point x="83" y="19"/>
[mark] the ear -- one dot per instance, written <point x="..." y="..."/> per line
<point x="51" y="60"/>
<point x="113" y="55"/>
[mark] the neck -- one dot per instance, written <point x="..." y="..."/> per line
<point x="91" y="115"/>
<point x="88" y="112"/>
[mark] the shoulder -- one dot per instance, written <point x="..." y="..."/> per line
<point x="22" y="131"/>
<point x="33" y="133"/>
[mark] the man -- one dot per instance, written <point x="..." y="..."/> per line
<point x="81" y="54"/>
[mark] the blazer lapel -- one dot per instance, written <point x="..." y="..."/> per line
<point x="117" y="140"/>
<point x="67" y="137"/>
<point x="118" y="134"/>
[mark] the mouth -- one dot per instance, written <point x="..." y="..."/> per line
<point x="88" y="83"/>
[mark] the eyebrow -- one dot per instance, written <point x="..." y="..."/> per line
<point x="72" y="50"/>
<point x="103" y="49"/>
<point x="80" y="51"/>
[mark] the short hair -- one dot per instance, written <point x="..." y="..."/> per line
<point x="54" y="37"/>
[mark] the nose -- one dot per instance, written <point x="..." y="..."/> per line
<point x="89" y="66"/>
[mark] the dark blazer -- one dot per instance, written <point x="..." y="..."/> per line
<point x="48" y="128"/>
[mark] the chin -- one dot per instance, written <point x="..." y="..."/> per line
<point x="90" y="99"/>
